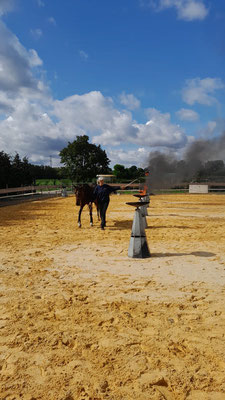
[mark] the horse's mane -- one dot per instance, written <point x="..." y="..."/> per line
<point x="86" y="188"/>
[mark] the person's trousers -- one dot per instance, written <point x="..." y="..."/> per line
<point x="102" y="208"/>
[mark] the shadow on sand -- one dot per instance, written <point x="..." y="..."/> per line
<point x="121" y="225"/>
<point x="193" y="253"/>
<point x="28" y="211"/>
<point x="128" y="225"/>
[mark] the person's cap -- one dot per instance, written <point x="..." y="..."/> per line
<point x="100" y="178"/>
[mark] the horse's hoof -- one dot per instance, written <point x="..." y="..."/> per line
<point x="91" y="223"/>
<point x="79" y="225"/>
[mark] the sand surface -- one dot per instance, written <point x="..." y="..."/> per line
<point x="79" y="320"/>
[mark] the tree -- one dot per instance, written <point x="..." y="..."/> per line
<point x="5" y="169"/>
<point x="119" y="171"/>
<point x="131" y="173"/>
<point x="17" y="172"/>
<point x="83" y="160"/>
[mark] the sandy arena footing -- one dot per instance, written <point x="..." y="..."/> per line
<point x="80" y="320"/>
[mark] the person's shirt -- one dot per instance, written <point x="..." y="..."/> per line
<point x="101" y="193"/>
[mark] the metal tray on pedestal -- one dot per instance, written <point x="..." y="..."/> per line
<point x="137" y="203"/>
<point x="140" y="196"/>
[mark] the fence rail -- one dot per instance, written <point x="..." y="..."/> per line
<point x="18" y="191"/>
<point x="26" y="189"/>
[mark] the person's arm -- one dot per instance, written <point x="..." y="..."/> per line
<point x="113" y="188"/>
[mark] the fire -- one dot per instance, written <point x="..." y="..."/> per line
<point x="144" y="191"/>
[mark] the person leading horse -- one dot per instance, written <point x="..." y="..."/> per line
<point x="101" y="195"/>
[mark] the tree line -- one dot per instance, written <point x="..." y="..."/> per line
<point x="83" y="161"/>
<point x="15" y="172"/>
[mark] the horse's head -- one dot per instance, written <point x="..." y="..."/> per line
<point x="84" y="194"/>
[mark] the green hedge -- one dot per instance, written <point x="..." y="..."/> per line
<point x="53" y="182"/>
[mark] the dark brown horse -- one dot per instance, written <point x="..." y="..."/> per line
<point x="84" y="195"/>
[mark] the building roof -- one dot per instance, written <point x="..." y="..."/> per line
<point x="104" y="175"/>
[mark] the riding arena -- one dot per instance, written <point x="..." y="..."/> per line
<point x="80" y="320"/>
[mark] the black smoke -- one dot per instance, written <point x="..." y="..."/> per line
<point x="202" y="161"/>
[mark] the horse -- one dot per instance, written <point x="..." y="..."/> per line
<point x="84" y="195"/>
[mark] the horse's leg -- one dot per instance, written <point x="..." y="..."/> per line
<point x="79" y="216"/>
<point x="90" y="212"/>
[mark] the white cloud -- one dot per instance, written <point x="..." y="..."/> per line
<point x="16" y="63"/>
<point x="35" y="125"/>
<point x="23" y="99"/>
<point x="94" y="113"/>
<point x="34" y="59"/>
<point x="187" y="115"/>
<point x="40" y="126"/>
<point x="90" y="111"/>
<point x="40" y="3"/>
<point x="30" y="131"/>
<point x="201" y="90"/>
<point x="158" y="131"/>
<point x="138" y="157"/>
<point x="130" y="101"/>
<point x="212" y="129"/>
<point x="6" y="6"/>
<point x="52" y="21"/>
<point x="187" y="10"/>
<point x="83" y="55"/>
<point x="36" y="33"/>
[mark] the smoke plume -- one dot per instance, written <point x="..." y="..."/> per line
<point x="166" y="171"/>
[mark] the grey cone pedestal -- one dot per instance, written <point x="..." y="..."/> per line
<point x="144" y="221"/>
<point x="144" y="210"/>
<point x="138" y="247"/>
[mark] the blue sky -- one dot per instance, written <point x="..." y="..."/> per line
<point x="135" y="75"/>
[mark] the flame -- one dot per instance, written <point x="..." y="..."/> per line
<point x="144" y="191"/>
